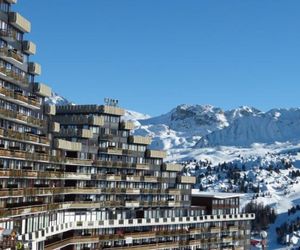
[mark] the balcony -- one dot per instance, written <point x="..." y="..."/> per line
<point x="24" y="136"/>
<point x="233" y="229"/>
<point x="42" y="89"/>
<point x="134" y="178"/>
<point x="50" y="109"/>
<point x="18" y="97"/>
<point x="227" y="239"/>
<point x="112" y="177"/>
<point x="151" y="179"/>
<point x="11" y="54"/>
<point x="172" y="167"/>
<point x="18" y="117"/>
<point x="133" y="153"/>
<point x="34" y="68"/>
<point x="37" y="157"/>
<point x="9" y="212"/>
<point x="86" y="133"/>
<point x="21" y="154"/>
<point x="174" y="204"/>
<point x="112" y="110"/>
<point x="55" y="127"/>
<point x="9" y="35"/>
<point x="175" y="192"/>
<point x="19" y="22"/>
<point x="132" y="204"/>
<point x="155" y="154"/>
<point x="215" y="230"/>
<point x="81" y="120"/>
<point x="17" y="173"/>
<point x="139" y="140"/>
<point x="187" y="179"/>
<point x="132" y="191"/>
<point x="29" y="47"/>
<point x="15" y="77"/>
<point x="96" y="120"/>
<point x="142" y="166"/>
<point x="108" y="137"/>
<point x="94" y="204"/>
<point x="127" y="125"/>
<point x="71" y="132"/>
<point x="76" y="161"/>
<point x="111" y="151"/>
<point x="67" y="145"/>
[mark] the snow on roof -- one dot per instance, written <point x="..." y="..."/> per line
<point x="217" y="195"/>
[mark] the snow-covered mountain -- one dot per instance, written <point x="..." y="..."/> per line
<point x="183" y="126"/>
<point x="135" y="117"/>
<point x="56" y="99"/>
<point x="196" y="126"/>
<point x="277" y="125"/>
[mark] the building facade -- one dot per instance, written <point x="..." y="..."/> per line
<point x="74" y="177"/>
<point x="25" y="130"/>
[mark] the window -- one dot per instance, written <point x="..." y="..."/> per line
<point x="4" y="6"/>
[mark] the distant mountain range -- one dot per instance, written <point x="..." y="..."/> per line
<point x="207" y="126"/>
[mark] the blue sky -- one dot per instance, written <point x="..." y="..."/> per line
<point x="153" y="55"/>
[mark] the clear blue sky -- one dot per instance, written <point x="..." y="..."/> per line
<point x="155" y="54"/>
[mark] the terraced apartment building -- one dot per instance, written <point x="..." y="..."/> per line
<point x="74" y="176"/>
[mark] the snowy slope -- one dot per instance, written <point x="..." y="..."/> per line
<point x="268" y="168"/>
<point x="277" y="125"/>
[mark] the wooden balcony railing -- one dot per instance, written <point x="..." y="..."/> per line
<point x="151" y="179"/>
<point x="11" y="95"/>
<point x="119" y="164"/>
<point x="24" y="136"/>
<point x="15" y="77"/>
<point x="11" y="53"/>
<point x="112" y="151"/>
<point x="22" y="117"/>
<point x="9" y="212"/>
<point x="16" y="173"/>
<point x="11" y="34"/>
<point x="215" y="229"/>
<point x="78" y="161"/>
<point x="24" y="155"/>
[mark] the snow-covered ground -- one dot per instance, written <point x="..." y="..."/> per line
<point x="277" y="187"/>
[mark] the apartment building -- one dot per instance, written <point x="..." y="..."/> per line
<point x="75" y="177"/>
<point x="24" y="128"/>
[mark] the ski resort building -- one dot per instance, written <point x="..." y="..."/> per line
<point x="75" y="176"/>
